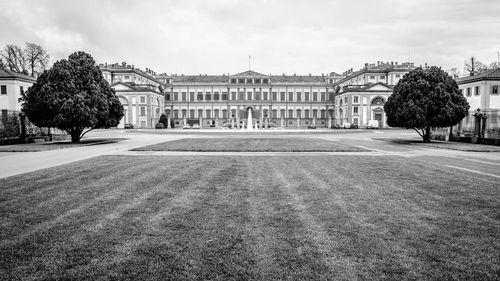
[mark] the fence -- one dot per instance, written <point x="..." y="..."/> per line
<point x="480" y="127"/>
<point x="11" y="129"/>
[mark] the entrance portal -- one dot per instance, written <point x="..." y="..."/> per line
<point x="378" y="117"/>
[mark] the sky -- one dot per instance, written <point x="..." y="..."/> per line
<point x="292" y="36"/>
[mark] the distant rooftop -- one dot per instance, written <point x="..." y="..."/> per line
<point x="9" y="74"/>
<point x="493" y="74"/>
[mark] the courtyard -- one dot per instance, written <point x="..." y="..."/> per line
<point x="222" y="206"/>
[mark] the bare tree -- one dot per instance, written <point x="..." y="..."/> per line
<point x="473" y="66"/>
<point x="454" y="72"/>
<point x="37" y="57"/>
<point x="494" y="65"/>
<point x="15" y="59"/>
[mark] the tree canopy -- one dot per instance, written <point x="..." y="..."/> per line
<point x="33" y="57"/>
<point x="72" y="96"/>
<point x="425" y="99"/>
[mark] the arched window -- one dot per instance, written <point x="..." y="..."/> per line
<point x="330" y="113"/>
<point x="176" y="113"/>
<point x="167" y="112"/>
<point x="208" y="115"/>
<point x="233" y="113"/>
<point x="266" y="113"/>
<point x="275" y="114"/>
<point x="378" y="101"/>
<point x="282" y="113"/>
<point x="224" y="113"/>
<point x="200" y="113"/>
<point x="323" y="113"/>
<point x="216" y="113"/>
<point x="184" y="112"/>
<point x="290" y="113"/>
<point x="191" y="113"/>
<point x="299" y="113"/>
<point x="306" y="114"/>
<point x="315" y="113"/>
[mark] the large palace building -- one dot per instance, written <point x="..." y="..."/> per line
<point x="293" y="101"/>
<point x="276" y="100"/>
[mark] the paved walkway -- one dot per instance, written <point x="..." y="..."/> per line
<point x="478" y="163"/>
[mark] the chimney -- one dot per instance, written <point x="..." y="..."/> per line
<point x="366" y="65"/>
<point x="124" y="64"/>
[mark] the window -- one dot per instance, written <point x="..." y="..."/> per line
<point x="208" y="96"/>
<point x="249" y="81"/>
<point x="290" y="96"/>
<point x="372" y="77"/>
<point x="306" y="113"/>
<point x="299" y="96"/>
<point x="290" y="113"/>
<point x="265" y="96"/>
<point x="233" y="81"/>
<point x="323" y="96"/>
<point x="494" y="89"/>
<point x="282" y="96"/>
<point x="257" y="81"/>
<point x="398" y="75"/>
<point x="216" y="96"/>
<point x="265" y="81"/>
<point x="382" y="77"/>
<point x="468" y="92"/>
<point x="315" y="96"/>
<point x="167" y="97"/>
<point x="241" y="81"/>
<point x="143" y="110"/>
<point x="476" y="91"/>
<point x="331" y="96"/>
<point x="143" y="99"/>
<point x="306" y="98"/>
<point x="183" y="96"/>
<point x="191" y="96"/>
<point x="199" y="96"/>
<point x="242" y="96"/>
<point x="345" y="100"/>
<point x="355" y="121"/>
<point x="355" y="99"/>
<point x="275" y="96"/>
<point x="176" y="96"/>
<point x="257" y="96"/>
<point x="461" y="91"/>
<point x="127" y="77"/>
<point x="233" y="95"/>
<point x="224" y="96"/>
<point x="355" y="110"/>
<point x="21" y="89"/>
<point x="249" y="96"/>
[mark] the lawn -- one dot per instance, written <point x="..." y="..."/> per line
<point x="44" y="146"/>
<point x="254" y="217"/>
<point x="251" y="144"/>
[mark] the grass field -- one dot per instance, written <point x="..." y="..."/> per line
<point x="253" y="217"/>
<point x="249" y="144"/>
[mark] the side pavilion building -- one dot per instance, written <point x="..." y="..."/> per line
<point x="278" y="100"/>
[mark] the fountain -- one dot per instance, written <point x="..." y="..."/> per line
<point x="249" y="120"/>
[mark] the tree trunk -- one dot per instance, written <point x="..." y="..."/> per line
<point x="75" y="136"/>
<point x="427" y="135"/>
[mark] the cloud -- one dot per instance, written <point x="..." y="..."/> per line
<point x="291" y="36"/>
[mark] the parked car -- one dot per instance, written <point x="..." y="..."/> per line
<point x="346" y="125"/>
<point x="195" y="126"/>
<point x="128" y="126"/>
<point x="335" y="126"/>
<point x="160" y="126"/>
<point x="186" y="126"/>
<point x="354" y="126"/>
<point x="372" y="124"/>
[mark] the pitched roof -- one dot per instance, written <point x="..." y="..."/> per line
<point x="136" y="87"/>
<point x="200" y="79"/>
<point x="9" y="74"/>
<point x="493" y="74"/>
<point x="250" y="73"/>
<point x="365" y="88"/>
<point x="297" y="79"/>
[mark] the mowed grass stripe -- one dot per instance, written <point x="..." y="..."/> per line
<point x="246" y="144"/>
<point x="262" y="218"/>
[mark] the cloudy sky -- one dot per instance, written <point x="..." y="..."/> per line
<point x="292" y="36"/>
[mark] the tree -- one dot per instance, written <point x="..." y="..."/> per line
<point x="72" y="96"/>
<point x="473" y="66"/>
<point x="425" y="99"/>
<point x="15" y="59"/>
<point x="37" y="58"/>
<point x="454" y="72"/>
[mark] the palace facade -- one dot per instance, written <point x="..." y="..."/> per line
<point x="278" y="100"/>
<point x="140" y="93"/>
<point x="361" y="95"/>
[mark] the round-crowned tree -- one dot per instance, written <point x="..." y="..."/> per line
<point x="425" y="99"/>
<point x="72" y="96"/>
